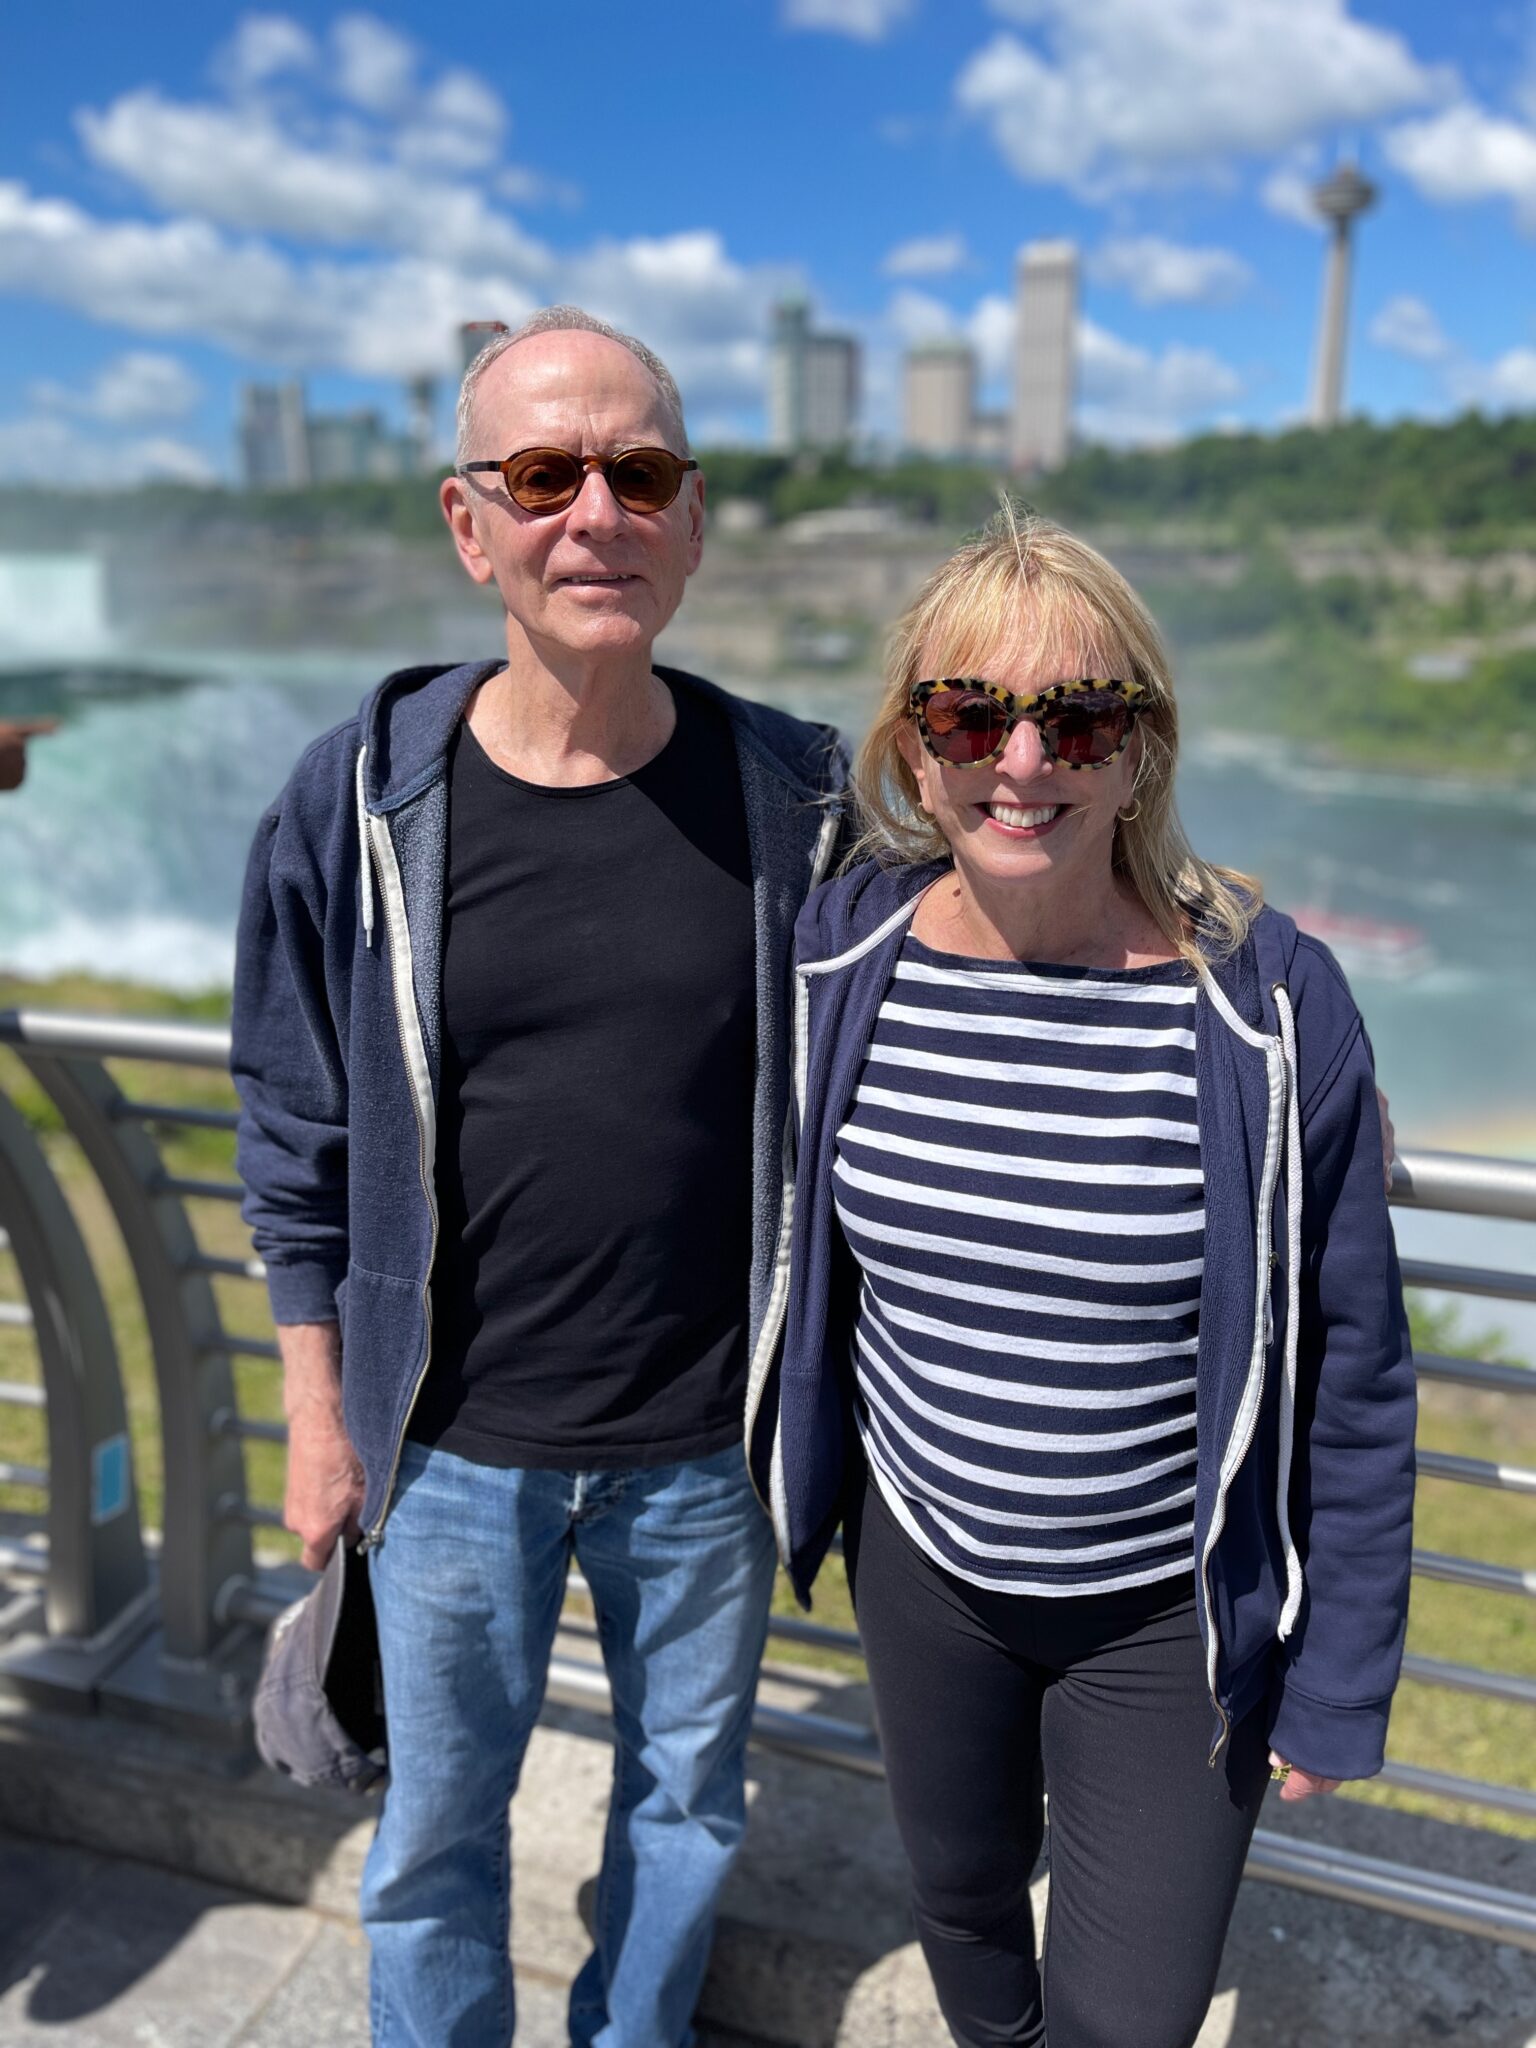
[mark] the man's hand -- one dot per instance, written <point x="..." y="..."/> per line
<point x="324" y="1496"/>
<point x="14" y="734"/>
<point x="1388" y="1137"/>
<point x="1300" y="1784"/>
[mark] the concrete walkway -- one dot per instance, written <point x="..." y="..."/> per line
<point x="132" y="1912"/>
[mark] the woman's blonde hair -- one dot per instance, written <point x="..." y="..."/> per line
<point x="1027" y="583"/>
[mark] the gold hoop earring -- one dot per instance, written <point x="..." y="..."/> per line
<point x="1129" y="817"/>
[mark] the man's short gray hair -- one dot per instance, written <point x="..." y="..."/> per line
<point x="563" y="320"/>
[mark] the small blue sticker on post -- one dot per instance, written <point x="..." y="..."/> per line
<point x="109" y="1479"/>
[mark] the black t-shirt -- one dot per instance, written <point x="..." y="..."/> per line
<point x="594" y="1155"/>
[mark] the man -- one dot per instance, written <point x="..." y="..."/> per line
<point x="510" y="1035"/>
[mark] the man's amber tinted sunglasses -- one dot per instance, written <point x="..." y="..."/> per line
<point x="549" y="479"/>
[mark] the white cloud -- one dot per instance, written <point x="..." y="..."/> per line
<point x="1287" y="192"/>
<point x="1112" y="94"/>
<point x="139" y="386"/>
<point x="868" y="21"/>
<point x="460" y="125"/>
<point x="990" y="331"/>
<point x="301" y="240"/>
<point x="375" y="65"/>
<point x="1507" y="384"/>
<point x="1128" y="394"/>
<point x="388" y="319"/>
<point x="916" y="316"/>
<point x="1464" y="153"/>
<point x="262" y="48"/>
<point x="1161" y="273"/>
<point x="1407" y="327"/>
<point x="238" y="167"/>
<point x="51" y="449"/>
<point x="926" y="256"/>
<point x="384" y="317"/>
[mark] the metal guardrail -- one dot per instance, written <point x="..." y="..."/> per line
<point x="174" y="1635"/>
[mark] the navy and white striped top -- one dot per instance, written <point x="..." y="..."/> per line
<point x="1019" y="1180"/>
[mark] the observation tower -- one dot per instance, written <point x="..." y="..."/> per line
<point x="1340" y="199"/>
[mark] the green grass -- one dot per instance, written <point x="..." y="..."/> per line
<point x="1443" y="1730"/>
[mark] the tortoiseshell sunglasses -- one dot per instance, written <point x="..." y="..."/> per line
<point x="966" y="722"/>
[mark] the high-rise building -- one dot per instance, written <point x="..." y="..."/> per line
<point x="421" y="393"/>
<point x="473" y="336"/>
<point x="813" y="382"/>
<point x="831" y="390"/>
<point x="1046" y="353"/>
<point x="284" y="447"/>
<point x="1340" y="199"/>
<point x="273" y="437"/>
<point x="939" y="397"/>
<point x="786" y="373"/>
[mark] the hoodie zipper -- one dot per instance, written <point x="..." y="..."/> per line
<point x="778" y="1299"/>
<point x="778" y="1305"/>
<point x="1245" y="1425"/>
<point x="414" y="1057"/>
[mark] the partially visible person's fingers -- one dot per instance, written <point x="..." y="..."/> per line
<point x="1388" y="1137"/>
<point x="1296" y="1783"/>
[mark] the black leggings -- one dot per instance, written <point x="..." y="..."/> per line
<point x="986" y="1699"/>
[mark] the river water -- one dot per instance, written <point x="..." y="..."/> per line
<point x="124" y="850"/>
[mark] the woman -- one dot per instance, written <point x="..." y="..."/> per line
<point x="1090" y="1259"/>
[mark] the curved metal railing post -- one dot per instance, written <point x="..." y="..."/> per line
<point x="97" y="1571"/>
<point x="204" y="1545"/>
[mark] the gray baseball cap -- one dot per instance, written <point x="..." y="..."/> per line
<point x="319" y="1704"/>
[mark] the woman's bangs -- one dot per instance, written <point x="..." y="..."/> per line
<point x="1051" y="630"/>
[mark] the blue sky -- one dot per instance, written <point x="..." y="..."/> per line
<point x="190" y="198"/>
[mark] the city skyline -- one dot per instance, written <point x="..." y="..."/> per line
<point x="316" y="193"/>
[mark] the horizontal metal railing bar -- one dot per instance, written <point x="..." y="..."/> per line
<point x="1476" y="1372"/>
<point x="231" y="1509"/>
<point x="171" y="1113"/>
<point x="15" y="1315"/>
<point x="30" y="1559"/>
<point x="199" y="1190"/>
<point x="789" y="1628"/>
<point x="227" y="1345"/>
<point x="1466" y="1184"/>
<point x="231" y="1269"/>
<point x="79" y="1035"/>
<point x="1499" y="1685"/>
<point x="13" y="1394"/>
<point x="1476" y="1472"/>
<point x="227" y="1423"/>
<point x="1471" y="1791"/>
<point x="247" y="1601"/>
<point x="1473" y="1571"/>
<point x="1452" y="1902"/>
<point x="23" y="1475"/>
<point x="1469" y="1280"/>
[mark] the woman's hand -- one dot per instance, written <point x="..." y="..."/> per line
<point x="1296" y="1783"/>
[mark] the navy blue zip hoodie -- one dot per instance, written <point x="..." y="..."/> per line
<point x="1305" y="1399"/>
<point x="337" y="1020"/>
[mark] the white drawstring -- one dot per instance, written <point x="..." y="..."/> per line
<point x="1293" y="1574"/>
<point x="364" y="855"/>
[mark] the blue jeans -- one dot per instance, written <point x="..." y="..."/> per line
<point x="468" y="1584"/>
